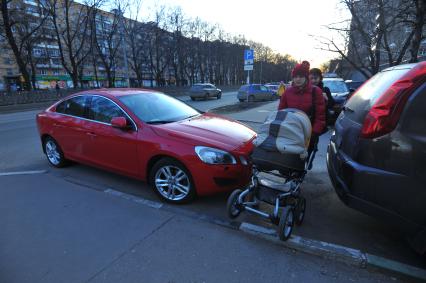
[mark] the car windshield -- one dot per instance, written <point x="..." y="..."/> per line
<point x="336" y="86"/>
<point x="158" y="107"/>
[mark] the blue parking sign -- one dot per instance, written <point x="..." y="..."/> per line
<point x="248" y="54"/>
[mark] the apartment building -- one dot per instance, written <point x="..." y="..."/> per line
<point x="48" y="66"/>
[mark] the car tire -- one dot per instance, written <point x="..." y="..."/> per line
<point x="219" y="95"/>
<point x="285" y="226"/>
<point x="241" y="100"/>
<point x="232" y="207"/>
<point x="251" y="98"/>
<point x="206" y="96"/>
<point x="171" y="181"/>
<point x="54" y="153"/>
<point x="192" y="98"/>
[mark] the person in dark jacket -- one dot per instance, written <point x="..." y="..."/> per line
<point x="315" y="76"/>
<point x="300" y="95"/>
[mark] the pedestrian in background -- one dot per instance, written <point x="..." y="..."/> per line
<point x="281" y="89"/>
<point x="57" y="88"/>
<point x="306" y="97"/>
<point x="315" y="76"/>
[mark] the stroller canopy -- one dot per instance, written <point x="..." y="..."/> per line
<point x="285" y="131"/>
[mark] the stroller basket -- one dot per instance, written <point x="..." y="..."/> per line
<point x="274" y="160"/>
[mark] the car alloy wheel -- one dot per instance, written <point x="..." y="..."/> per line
<point x="172" y="181"/>
<point x="54" y="153"/>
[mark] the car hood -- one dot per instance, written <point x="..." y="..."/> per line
<point x="208" y="130"/>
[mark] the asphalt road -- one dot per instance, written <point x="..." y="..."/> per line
<point x="56" y="231"/>
<point x="327" y="219"/>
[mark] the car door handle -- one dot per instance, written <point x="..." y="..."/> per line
<point x="91" y="134"/>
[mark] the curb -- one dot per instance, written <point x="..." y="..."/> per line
<point x="326" y="250"/>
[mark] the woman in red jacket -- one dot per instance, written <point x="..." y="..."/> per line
<point x="300" y="95"/>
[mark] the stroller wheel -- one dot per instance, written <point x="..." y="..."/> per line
<point x="300" y="211"/>
<point x="232" y="206"/>
<point x="285" y="227"/>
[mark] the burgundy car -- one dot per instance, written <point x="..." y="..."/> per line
<point x="149" y="136"/>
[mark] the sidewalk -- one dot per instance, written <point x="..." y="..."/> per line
<point x="54" y="231"/>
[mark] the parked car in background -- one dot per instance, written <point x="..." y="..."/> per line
<point x="204" y="91"/>
<point x="353" y="85"/>
<point x="376" y="157"/>
<point x="149" y="136"/>
<point x="273" y="87"/>
<point x="255" y="92"/>
<point x="339" y="90"/>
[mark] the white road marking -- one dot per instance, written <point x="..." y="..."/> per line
<point x="139" y="200"/>
<point x="23" y="173"/>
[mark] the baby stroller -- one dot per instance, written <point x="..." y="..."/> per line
<point x="281" y="150"/>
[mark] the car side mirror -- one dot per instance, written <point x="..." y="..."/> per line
<point x="119" y="123"/>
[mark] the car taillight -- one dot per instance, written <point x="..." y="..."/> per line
<point x="385" y="113"/>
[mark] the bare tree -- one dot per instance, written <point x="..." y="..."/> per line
<point x="21" y="26"/>
<point x="136" y="39"/>
<point x="176" y="24"/>
<point x="108" y="37"/>
<point x="159" y="44"/>
<point x="378" y="34"/>
<point x="71" y="24"/>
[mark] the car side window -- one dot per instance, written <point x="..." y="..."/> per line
<point x="256" y="87"/>
<point x="103" y="110"/>
<point x="263" y="88"/>
<point x="75" y="106"/>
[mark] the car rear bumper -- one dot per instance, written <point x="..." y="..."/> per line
<point x="355" y="185"/>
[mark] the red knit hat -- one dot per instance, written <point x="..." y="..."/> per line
<point x="301" y="69"/>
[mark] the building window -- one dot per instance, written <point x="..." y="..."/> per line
<point x="38" y="52"/>
<point x="54" y="52"/>
<point x="422" y="51"/>
<point x="56" y="62"/>
<point x="42" y="71"/>
<point x="56" y="72"/>
<point x="7" y="61"/>
<point x="9" y="72"/>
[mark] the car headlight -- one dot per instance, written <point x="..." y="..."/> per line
<point x="214" y="156"/>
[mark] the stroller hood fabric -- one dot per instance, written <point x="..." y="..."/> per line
<point x="286" y="131"/>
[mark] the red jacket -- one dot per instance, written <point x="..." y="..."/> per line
<point x="301" y="99"/>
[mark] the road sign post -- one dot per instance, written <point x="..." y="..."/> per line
<point x="248" y="64"/>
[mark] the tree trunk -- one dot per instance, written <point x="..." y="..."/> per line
<point x="11" y="40"/>
<point x="418" y="29"/>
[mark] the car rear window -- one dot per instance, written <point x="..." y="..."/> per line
<point x="366" y="96"/>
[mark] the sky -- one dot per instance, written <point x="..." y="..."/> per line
<point x="285" y="26"/>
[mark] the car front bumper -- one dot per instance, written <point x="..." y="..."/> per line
<point x="211" y="179"/>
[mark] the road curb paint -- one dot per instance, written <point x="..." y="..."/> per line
<point x="23" y="173"/>
<point x="244" y="226"/>
<point x="309" y="246"/>
<point x="335" y="252"/>
<point x="384" y="263"/>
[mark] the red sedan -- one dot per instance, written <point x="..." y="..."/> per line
<point x="150" y="136"/>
